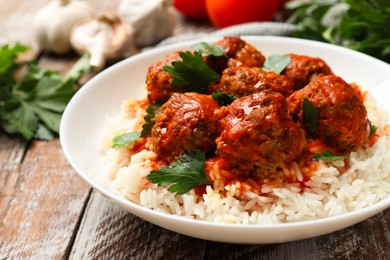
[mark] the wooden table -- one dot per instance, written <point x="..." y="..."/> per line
<point x="48" y="212"/>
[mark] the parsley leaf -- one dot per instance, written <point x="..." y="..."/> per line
<point x="310" y="115"/>
<point x="223" y="98"/>
<point x="192" y="74"/>
<point x="151" y="112"/>
<point x="33" y="105"/>
<point x="8" y="55"/>
<point x="184" y="174"/>
<point x="80" y="68"/>
<point x="208" y="50"/>
<point x="327" y="155"/>
<point x="125" y="139"/>
<point x="373" y="130"/>
<point x="276" y="63"/>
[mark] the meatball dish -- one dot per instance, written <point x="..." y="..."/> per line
<point x="227" y="134"/>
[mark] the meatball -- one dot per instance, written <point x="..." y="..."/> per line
<point x="186" y="122"/>
<point x="159" y="82"/>
<point x="259" y="136"/>
<point x="241" y="81"/>
<point x="342" y="116"/>
<point x="238" y="52"/>
<point x="303" y="69"/>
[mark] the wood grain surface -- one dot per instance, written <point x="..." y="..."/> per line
<point x="48" y="212"/>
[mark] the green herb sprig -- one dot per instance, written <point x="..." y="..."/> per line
<point x="151" y="112"/>
<point x="192" y="73"/>
<point x="310" y="115"/>
<point x="327" y="155"/>
<point x="373" y="130"/>
<point x="207" y="50"/>
<point x="183" y="175"/>
<point x="125" y="139"/>
<point x="276" y="63"/>
<point x="33" y="105"/>
<point x="223" y="98"/>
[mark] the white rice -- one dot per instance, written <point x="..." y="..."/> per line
<point x="326" y="193"/>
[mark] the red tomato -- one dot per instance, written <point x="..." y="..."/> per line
<point x="191" y="8"/>
<point x="224" y="13"/>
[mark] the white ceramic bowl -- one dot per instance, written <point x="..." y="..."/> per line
<point x="85" y="115"/>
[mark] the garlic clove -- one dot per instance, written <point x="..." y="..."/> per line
<point x="107" y="37"/>
<point x="53" y="23"/>
<point x="152" y="20"/>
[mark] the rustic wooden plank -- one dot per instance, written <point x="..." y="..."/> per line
<point x="109" y="232"/>
<point x="369" y="239"/>
<point x="11" y="154"/>
<point x="47" y="201"/>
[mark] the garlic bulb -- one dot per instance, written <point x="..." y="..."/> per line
<point x="151" y="19"/>
<point x="107" y="37"/>
<point x="53" y="23"/>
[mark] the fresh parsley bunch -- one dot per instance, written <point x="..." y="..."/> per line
<point x="32" y="105"/>
<point x="362" y="25"/>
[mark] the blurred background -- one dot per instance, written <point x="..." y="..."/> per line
<point x="64" y="26"/>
